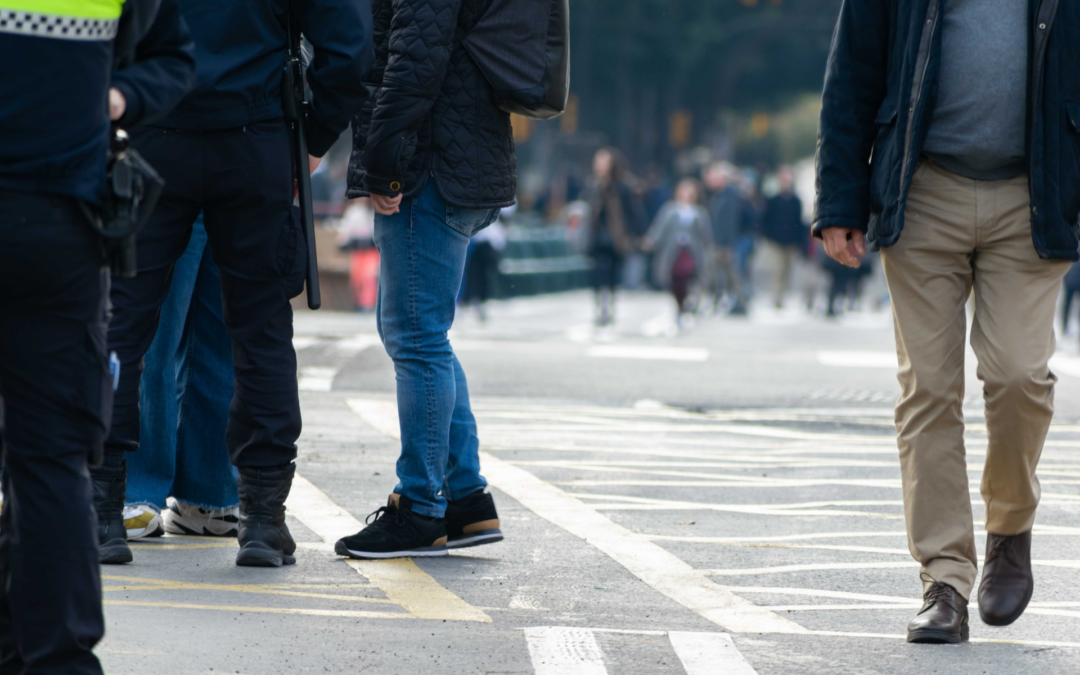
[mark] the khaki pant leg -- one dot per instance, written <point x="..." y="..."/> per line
<point x="1012" y="334"/>
<point x="929" y="276"/>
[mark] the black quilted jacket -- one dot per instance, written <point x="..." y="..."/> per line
<point x="431" y="113"/>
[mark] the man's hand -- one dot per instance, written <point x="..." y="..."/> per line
<point x="845" y="245"/>
<point x="117" y="104"/>
<point x="312" y="163"/>
<point x="386" y="206"/>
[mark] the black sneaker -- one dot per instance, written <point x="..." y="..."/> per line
<point x="110" y="486"/>
<point x="472" y="521"/>
<point x="396" y="533"/>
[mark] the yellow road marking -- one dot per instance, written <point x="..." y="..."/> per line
<point x="415" y="590"/>
<point x="401" y="580"/>
<point x="175" y="547"/>
<point x="262" y="589"/>
<point x="354" y="614"/>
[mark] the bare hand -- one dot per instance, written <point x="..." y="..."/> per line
<point x="117" y="104"/>
<point x="313" y="163"/>
<point x="386" y="206"/>
<point x="845" y="245"/>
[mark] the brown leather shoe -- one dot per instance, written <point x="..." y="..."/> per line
<point x="1007" y="582"/>
<point x="943" y="618"/>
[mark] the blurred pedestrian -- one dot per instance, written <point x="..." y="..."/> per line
<point x="681" y="238"/>
<point x="1070" y="288"/>
<point x="785" y="234"/>
<point x="973" y="188"/>
<point x="60" y="93"/>
<point x="616" y="220"/>
<point x="730" y="214"/>
<point x="185" y="391"/>
<point x="845" y="285"/>
<point x="357" y="237"/>
<point x="482" y="267"/>
<point x="436" y="156"/>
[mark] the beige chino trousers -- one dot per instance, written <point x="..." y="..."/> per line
<point x="960" y="236"/>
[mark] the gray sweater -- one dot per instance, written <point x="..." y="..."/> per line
<point x="977" y="128"/>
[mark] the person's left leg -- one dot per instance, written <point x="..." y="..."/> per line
<point x="257" y="243"/>
<point x="1013" y="337"/>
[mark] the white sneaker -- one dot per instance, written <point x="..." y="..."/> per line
<point x="142" y="520"/>
<point x="182" y="518"/>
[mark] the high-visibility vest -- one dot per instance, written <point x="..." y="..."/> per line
<point x="88" y="20"/>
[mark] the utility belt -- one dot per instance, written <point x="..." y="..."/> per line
<point x="132" y="189"/>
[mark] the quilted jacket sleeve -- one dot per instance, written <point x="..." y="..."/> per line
<point x="855" y="85"/>
<point x="420" y="42"/>
<point x="340" y="32"/>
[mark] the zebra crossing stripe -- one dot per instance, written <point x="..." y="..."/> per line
<point x="709" y="653"/>
<point x="556" y="650"/>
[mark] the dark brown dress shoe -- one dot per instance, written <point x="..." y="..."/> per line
<point x="1007" y="583"/>
<point x="942" y="619"/>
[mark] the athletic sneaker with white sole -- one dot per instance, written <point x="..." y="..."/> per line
<point x="184" y="518"/>
<point x="472" y="521"/>
<point x="142" y="520"/>
<point x="396" y="533"/>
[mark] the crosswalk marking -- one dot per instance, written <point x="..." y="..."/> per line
<point x="709" y="654"/>
<point x="564" y="651"/>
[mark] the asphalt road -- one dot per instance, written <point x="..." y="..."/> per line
<point x="721" y="501"/>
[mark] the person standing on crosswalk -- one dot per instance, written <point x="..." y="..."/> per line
<point x="973" y="187"/>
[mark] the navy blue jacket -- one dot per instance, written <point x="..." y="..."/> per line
<point x="240" y="53"/>
<point x="54" y="123"/>
<point x="880" y="89"/>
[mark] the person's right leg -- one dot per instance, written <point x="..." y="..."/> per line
<point x="54" y="395"/>
<point x="136" y="308"/>
<point x="929" y="275"/>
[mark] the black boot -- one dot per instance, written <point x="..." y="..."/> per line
<point x="264" y="538"/>
<point x="110" y="487"/>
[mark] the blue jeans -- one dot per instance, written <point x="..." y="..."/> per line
<point x="423" y="250"/>
<point x="187" y="385"/>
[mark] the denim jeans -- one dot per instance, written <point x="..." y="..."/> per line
<point x="187" y="385"/>
<point x="423" y="260"/>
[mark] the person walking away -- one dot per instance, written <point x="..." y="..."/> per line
<point x="681" y="237"/>
<point x="845" y="284"/>
<point x="225" y="151"/>
<point x="482" y="267"/>
<point x="357" y="236"/>
<point x="974" y="188"/>
<point x="784" y="232"/>
<point x="615" y="222"/>
<point x="59" y="98"/>
<point x="186" y="387"/>
<point x="1070" y="288"/>
<point x="432" y="191"/>
<point x="730" y="213"/>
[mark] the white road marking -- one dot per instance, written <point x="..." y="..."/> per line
<point x="352" y="346"/>
<point x="783" y="569"/>
<point x="564" y="651"/>
<point x="301" y="342"/>
<point x="649" y="353"/>
<point x="709" y="654"/>
<point x="854" y="359"/>
<point x="1067" y="364"/>
<point x="652" y="564"/>
<point x="317" y="378"/>
<point x="401" y="580"/>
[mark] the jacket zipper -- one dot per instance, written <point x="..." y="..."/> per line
<point x="1044" y="21"/>
<point x="922" y="62"/>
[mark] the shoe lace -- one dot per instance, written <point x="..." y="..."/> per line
<point x="383" y="515"/>
<point x="1003" y="546"/>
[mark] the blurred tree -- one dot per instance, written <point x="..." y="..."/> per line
<point x="635" y="62"/>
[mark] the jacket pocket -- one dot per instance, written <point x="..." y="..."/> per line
<point x="884" y="155"/>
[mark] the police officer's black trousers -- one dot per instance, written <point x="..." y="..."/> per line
<point x="241" y="180"/>
<point x="55" y="390"/>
